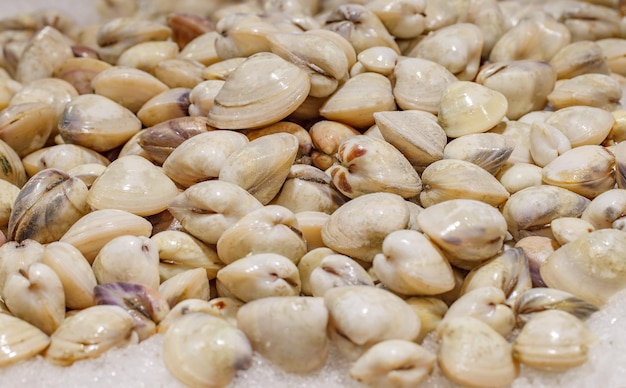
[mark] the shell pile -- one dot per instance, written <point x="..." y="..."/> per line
<point x="288" y="176"/>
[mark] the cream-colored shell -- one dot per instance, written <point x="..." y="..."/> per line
<point x="583" y="125"/>
<point x="20" y="340"/>
<point x="337" y="271"/>
<point x="420" y="84"/>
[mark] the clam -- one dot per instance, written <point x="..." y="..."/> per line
<point x="537" y="249"/>
<point x="63" y="157"/>
<point x="35" y="294"/>
<point x="380" y="60"/>
<point x="508" y="271"/>
<point x="472" y="353"/>
<point x="201" y="157"/>
<point x="614" y="50"/>
<point x="272" y="228"/>
<point x="179" y="73"/>
<point x="207" y="209"/>
<point x="130" y="259"/>
<point x="120" y="33"/>
<point x="128" y="86"/>
<point x="347" y="106"/>
<point x="187" y="26"/>
<point x="468" y="107"/>
<point x="201" y="49"/>
<point x="358" y="228"/>
<point x="487" y="150"/>
<point x="308" y="263"/>
<point x="266" y="101"/>
<point x="133" y="184"/>
<point x="259" y="276"/>
<point x="530" y="210"/>
<point x="486" y="303"/>
<point x="526" y="84"/>
<point x="21" y="340"/>
<point x="553" y="340"/>
<point x="597" y="90"/>
<point x="11" y="167"/>
<point x="305" y="143"/>
<point x="308" y="189"/>
<point x="457" y="47"/>
<point x="587" y="170"/>
<point x="519" y="132"/>
<point x="400" y="270"/>
<point x="74" y="272"/>
<point x="262" y="165"/>
<point x="92" y="231"/>
<point x="326" y="137"/>
<point x="590" y="267"/>
<point x="144" y="304"/>
<point x="403" y="18"/>
<point x="188" y="284"/>
<point x="26" y="127"/>
<point x="8" y="193"/>
<point x="605" y="209"/>
<point x="243" y="35"/>
<point x="583" y="125"/>
<point x="203" y="350"/>
<point x="45" y="51"/>
<point x="360" y="318"/>
<point x="221" y="70"/>
<point x="96" y="122"/>
<point x="202" y="97"/>
<point x="47" y="206"/>
<point x="448" y="179"/>
<point x="53" y="91"/>
<point x="179" y="252"/>
<point x="430" y="310"/>
<point x="420" y="84"/>
<point x="269" y="322"/>
<point x="146" y="55"/>
<point x="167" y="105"/>
<point x="89" y="333"/>
<point x="467" y="231"/>
<point x="393" y="363"/>
<point x="568" y="229"/>
<point x="547" y="143"/>
<point x="416" y="134"/>
<point x="190" y="306"/>
<point x="79" y="72"/>
<point x="368" y="165"/>
<point x="540" y="299"/>
<point x="336" y="271"/>
<point x="18" y="257"/>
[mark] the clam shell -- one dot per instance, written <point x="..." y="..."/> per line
<point x="583" y="125"/>
<point x="590" y="267"/>
<point x="487" y="150"/>
<point x="541" y="299"/>
<point x="170" y="104"/>
<point x="79" y="72"/>
<point x="189" y="284"/>
<point x="605" y="209"/>
<point x="597" y="90"/>
<point x="45" y="51"/>
<point x="579" y="58"/>
<point x="337" y="271"/>
<point x="268" y="323"/>
<point x="265" y="101"/>
<point x="468" y="107"/>
<point x="21" y="340"/>
<point x="133" y="184"/>
<point x="26" y="127"/>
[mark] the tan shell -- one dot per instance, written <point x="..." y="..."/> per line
<point x="95" y="229"/>
<point x="97" y="122"/>
<point x="167" y="105"/>
<point x="420" y="83"/>
<point x="179" y="73"/>
<point x="448" y="179"/>
<point x="583" y="125"/>
<point x="80" y="71"/>
<point x="470" y="241"/>
<point x="26" y="127"/>
<point x="133" y="184"/>
<point x="369" y="165"/>
<point x="188" y="284"/>
<point x="605" y="209"/>
<point x="21" y="340"/>
<point x="129" y="87"/>
<point x="598" y="90"/>
<point x="265" y="101"/>
<point x="358" y="228"/>
<point x="46" y="50"/>
<point x="579" y="58"/>
<point x="468" y="107"/>
<point x="590" y="267"/>
<point x="487" y="150"/>
<point x="146" y="56"/>
<point x="347" y="105"/>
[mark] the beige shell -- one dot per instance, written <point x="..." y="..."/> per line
<point x="179" y="73"/>
<point x="133" y="184"/>
<point x="308" y="263"/>
<point x="311" y="223"/>
<point x="146" y="55"/>
<point x="243" y="35"/>
<point x="540" y="299"/>
<point x="201" y="49"/>
<point x="605" y="209"/>
<point x="102" y="327"/>
<point x="420" y="84"/>
<point x="380" y="60"/>
<point x="524" y="216"/>
<point x="465" y="229"/>
<point x="270" y="229"/>
<point x="45" y="51"/>
<point x="26" y="127"/>
<point x="63" y="157"/>
<point x="266" y="101"/>
<point x="201" y="157"/>
<point x="97" y="122"/>
<point x="414" y="133"/>
<point x="21" y="340"/>
<point x="167" y="105"/>
<point x="457" y="47"/>
<point x="188" y="284"/>
<point x="547" y="143"/>
<point x="553" y="340"/>
<point x="129" y="87"/>
<point x="452" y="178"/>
<point x="613" y="49"/>
<point x="597" y="90"/>
<point x="579" y="58"/>
<point x="337" y="271"/>
<point x="369" y="165"/>
<point x="259" y="276"/>
<point x="583" y="125"/>
<point x="92" y="231"/>
<point x="269" y="322"/>
<point x="346" y="105"/>
<point x="404" y="19"/>
<point x="473" y="354"/>
<point x="326" y="137"/>
<point x="468" y="107"/>
<point x="120" y="33"/>
<point x="587" y="170"/>
<point x="262" y="165"/>
<point x="526" y="84"/>
<point x="80" y="71"/>
<point x="207" y="209"/>
<point x="358" y="228"/>
<point x="428" y="273"/>
<point x="487" y="150"/>
<point x="590" y="267"/>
